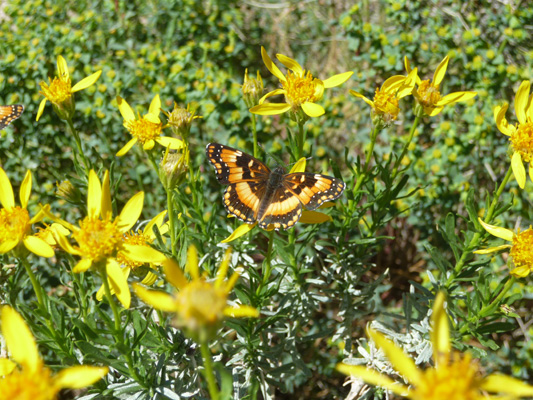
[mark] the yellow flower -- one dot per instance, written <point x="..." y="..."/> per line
<point x="33" y="380"/>
<point x="200" y="305"/>
<point x="252" y="89"/>
<point x="15" y="221"/>
<point x="100" y="237"/>
<point x="386" y="100"/>
<point x="146" y="129"/>
<point x="521" y="134"/>
<point x="308" y="217"/>
<point x="428" y="94"/>
<point x="60" y="91"/>
<point x="521" y="248"/>
<point x="300" y="88"/>
<point x="180" y="120"/>
<point x="454" y="376"/>
<point x="139" y="238"/>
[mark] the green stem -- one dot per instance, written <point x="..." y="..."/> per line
<point x="267" y="265"/>
<point x="78" y="145"/>
<point x="474" y="242"/>
<point x="361" y="176"/>
<point x="397" y="163"/>
<point x="171" y="221"/>
<point x="35" y="283"/>
<point x="208" y="373"/>
<point x="254" y="131"/>
<point x="300" y="140"/>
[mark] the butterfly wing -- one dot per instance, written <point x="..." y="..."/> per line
<point x="313" y="189"/>
<point x="9" y="113"/>
<point x="284" y="210"/>
<point x="242" y="199"/>
<point x="232" y="165"/>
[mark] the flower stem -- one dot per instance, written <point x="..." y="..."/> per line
<point x="267" y="265"/>
<point x="404" y="150"/>
<point x="35" y="283"/>
<point x="208" y="373"/>
<point x="78" y="145"/>
<point x="361" y="176"/>
<point x="171" y="221"/>
<point x="474" y="242"/>
<point x="254" y="131"/>
<point x="300" y="140"/>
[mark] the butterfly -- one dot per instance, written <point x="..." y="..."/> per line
<point x="257" y="194"/>
<point x="9" y="113"/>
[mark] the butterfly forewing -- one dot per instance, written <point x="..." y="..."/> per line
<point x="242" y="199"/>
<point x="232" y="165"/>
<point x="9" y="113"/>
<point x="313" y="189"/>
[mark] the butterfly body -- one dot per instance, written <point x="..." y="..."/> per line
<point x="257" y="194"/>
<point x="9" y="113"/>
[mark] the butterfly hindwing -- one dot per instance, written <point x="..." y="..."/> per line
<point x="313" y="189"/>
<point x="284" y="210"/>
<point x="242" y="199"/>
<point x="232" y="165"/>
<point x="9" y="113"/>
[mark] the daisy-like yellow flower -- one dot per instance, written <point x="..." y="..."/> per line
<point x="301" y="90"/>
<point x="180" y="120"/>
<point x="99" y="237"/>
<point x="521" y="247"/>
<point x="141" y="238"/>
<point x="455" y="375"/>
<point x="146" y="129"/>
<point x="15" y="221"/>
<point x="308" y="217"/>
<point x="428" y="93"/>
<point x="521" y="134"/>
<point x="385" y="106"/>
<point x="200" y="306"/>
<point x="32" y="379"/>
<point x="60" y="91"/>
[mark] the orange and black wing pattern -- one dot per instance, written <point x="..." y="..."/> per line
<point x="313" y="189"/>
<point x="9" y="113"/>
<point x="283" y="210"/>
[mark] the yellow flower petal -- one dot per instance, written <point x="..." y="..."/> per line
<point x="41" y="214"/>
<point x="172" y="143"/>
<point x="493" y="249"/>
<point x="271" y="66"/>
<point x="118" y="282"/>
<point x="456" y="97"/>
<point x="7" y="198"/>
<point x="143" y="254"/>
<point x="440" y="334"/>
<point x="155" y="106"/>
<point x="65" y="244"/>
<point x="25" y="190"/>
<point x="272" y="93"/>
<point x="530" y="170"/>
<point x="38" y="246"/>
<point x="373" y="378"/>
<point x="174" y="274"/>
<point x="519" y="171"/>
<point x="62" y="67"/>
<point x="240" y="231"/>
<point x="41" y="109"/>
<point x="290" y="64"/>
<point x="241" y="311"/>
<point x="79" y="376"/>
<point x="86" y="82"/>
<point x="313" y="109"/>
<point x="399" y="360"/>
<point x="125" y="109"/>
<point x="149" y="145"/>
<point x="8" y="245"/>
<point x="299" y="166"/>
<point x="223" y="268"/>
<point x="19" y="339"/>
<point x="155" y="298"/>
<point x="192" y="262"/>
<point x="126" y="148"/>
<point x="366" y="100"/>
<point x="153" y="118"/>
<point x="337" y="80"/>
<point x="131" y="212"/>
<point x="314" y="217"/>
<point x="408" y="85"/>
<point x="497" y="231"/>
<point x="520" y="102"/>
<point x="83" y="265"/>
<point x="149" y="279"/>
<point x="6" y="366"/>
<point x="438" y="76"/>
<point x="106" y="208"/>
<point x="94" y="196"/>
<point x="501" y="121"/>
<point x="270" y="108"/>
<point x="521" y="272"/>
<point x="499" y="383"/>
<point x="156" y="221"/>
<point x="409" y="70"/>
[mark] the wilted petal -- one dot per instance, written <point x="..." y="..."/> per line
<point x="86" y="82"/>
<point x="79" y="376"/>
<point x="19" y="339"/>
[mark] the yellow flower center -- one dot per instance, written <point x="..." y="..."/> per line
<point x="522" y="141"/>
<point x="522" y="250"/>
<point x="143" y="129"/>
<point x="200" y="304"/>
<point x="98" y="239"/>
<point x="14" y="223"/>
<point x="429" y="95"/>
<point x="453" y="378"/>
<point x="135" y="238"/>
<point x="386" y="104"/>
<point x="301" y="88"/>
<point x="59" y="90"/>
<point x="25" y="385"/>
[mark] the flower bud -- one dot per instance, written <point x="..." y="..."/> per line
<point x="180" y="120"/>
<point x="67" y="191"/>
<point x="173" y="168"/>
<point x="252" y="89"/>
